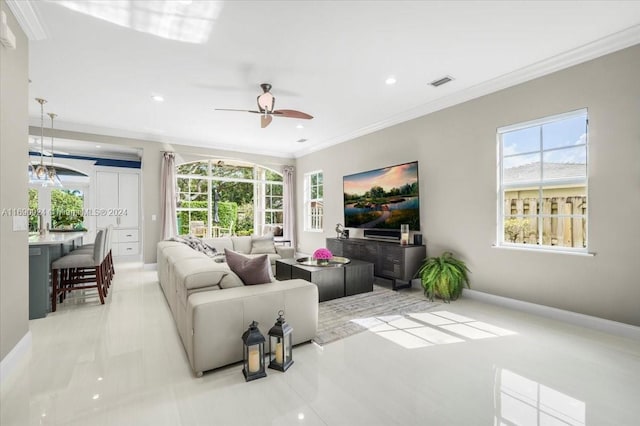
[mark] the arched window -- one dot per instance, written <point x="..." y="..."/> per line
<point x="224" y="197"/>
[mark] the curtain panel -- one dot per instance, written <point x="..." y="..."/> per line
<point x="168" y="196"/>
<point x="289" y="211"/>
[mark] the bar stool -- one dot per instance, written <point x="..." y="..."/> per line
<point x="88" y="249"/>
<point x="82" y="268"/>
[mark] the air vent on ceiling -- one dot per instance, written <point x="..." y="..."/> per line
<point x="441" y="81"/>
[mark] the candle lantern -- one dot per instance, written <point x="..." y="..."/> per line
<point x="280" y="344"/>
<point x="253" y="360"/>
<point x="404" y="234"/>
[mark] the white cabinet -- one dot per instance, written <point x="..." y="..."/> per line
<point x="118" y="204"/>
<point x="125" y="242"/>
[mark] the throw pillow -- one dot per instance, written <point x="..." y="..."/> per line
<point x="277" y="231"/>
<point x="262" y="245"/>
<point x="250" y="270"/>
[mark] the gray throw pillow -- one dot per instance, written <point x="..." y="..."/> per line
<point x="250" y="270"/>
<point x="262" y="245"/>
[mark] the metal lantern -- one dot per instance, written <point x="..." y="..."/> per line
<point x="280" y="344"/>
<point x="253" y="360"/>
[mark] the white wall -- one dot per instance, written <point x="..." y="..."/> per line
<point x="456" y="150"/>
<point x="14" y="254"/>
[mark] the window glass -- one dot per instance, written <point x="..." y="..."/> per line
<point x="521" y="168"/>
<point x="521" y="141"/>
<point x="33" y="210"/>
<point x="565" y="163"/>
<point x="564" y="133"/>
<point x="67" y="209"/>
<point x="314" y="209"/>
<point x="543" y="190"/>
<point x="232" y="199"/>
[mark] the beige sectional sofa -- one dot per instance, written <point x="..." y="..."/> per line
<point x="212" y="307"/>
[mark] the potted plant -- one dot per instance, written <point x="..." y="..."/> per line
<point x="443" y="276"/>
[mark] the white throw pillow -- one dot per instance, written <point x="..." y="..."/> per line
<point x="263" y="245"/>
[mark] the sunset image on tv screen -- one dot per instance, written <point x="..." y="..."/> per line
<point x="383" y="198"/>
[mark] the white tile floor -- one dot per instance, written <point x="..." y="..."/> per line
<point x="123" y="364"/>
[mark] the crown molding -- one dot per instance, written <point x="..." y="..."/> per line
<point x="28" y="19"/>
<point x="612" y="43"/>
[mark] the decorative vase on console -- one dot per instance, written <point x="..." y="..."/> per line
<point x="322" y="256"/>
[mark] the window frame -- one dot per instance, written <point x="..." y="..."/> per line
<point x="311" y="218"/>
<point x="258" y="180"/>
<point x="540" y="184"/>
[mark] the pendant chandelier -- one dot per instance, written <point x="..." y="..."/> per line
<point x="53" y="176"/>
<point x="40" y="174"/>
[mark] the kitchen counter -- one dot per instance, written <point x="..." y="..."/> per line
<point x="43" y="250"/>
<point x="54" y="238"/>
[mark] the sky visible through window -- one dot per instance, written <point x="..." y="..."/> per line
<point x="562" y="142"/>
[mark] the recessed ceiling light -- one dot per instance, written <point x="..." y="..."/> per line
<point x="98" y="146"/>
<point x="299" y="126"/>
<point x="96" y="396"/>
<point x="390" y="80"/>
<point x="302" y="140"/>
<point x="157" y="98"/>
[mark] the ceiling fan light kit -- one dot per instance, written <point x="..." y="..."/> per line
<point x="266" y="107"/>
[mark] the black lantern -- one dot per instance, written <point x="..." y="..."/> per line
<point x="280" y="344"/>
<point x="253" y="345"/>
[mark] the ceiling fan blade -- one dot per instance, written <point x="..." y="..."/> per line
<point x="292" y="113"/>
<point x="238" y="110"/>
<point x="265" y="120"/>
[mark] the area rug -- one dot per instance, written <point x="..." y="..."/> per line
<point x="334" y="316"/>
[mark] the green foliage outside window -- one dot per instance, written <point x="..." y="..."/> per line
<point x="245" y="220"/>
<point x="66" y="209"/>
<point x="206" y="181"/>
<point x="227" y="212"/>
<point x="33" y="208"/>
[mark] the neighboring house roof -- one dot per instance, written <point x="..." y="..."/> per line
<point x="531" y="171"/>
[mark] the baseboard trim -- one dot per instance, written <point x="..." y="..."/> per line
<point x="150" y="266"/>
<point x="600" y="324"/>
<point x="10" y="361"/>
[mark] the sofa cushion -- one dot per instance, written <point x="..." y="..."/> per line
<point x="219" y="243"/>
<point x="262" y="245"/>
<point x="242" y="244"/>
<point x="198" y="273"/>
<point x="250" y="270"/>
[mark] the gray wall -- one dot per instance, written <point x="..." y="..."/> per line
<point x="456" y="148"/>
<point x="14" y="254"/>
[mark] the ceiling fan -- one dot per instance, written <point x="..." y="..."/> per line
<point x="266" y="104"/>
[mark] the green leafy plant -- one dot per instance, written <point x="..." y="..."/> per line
<point x="443" y="276"/>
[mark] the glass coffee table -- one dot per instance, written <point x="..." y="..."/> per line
<point x="341" y="277"/>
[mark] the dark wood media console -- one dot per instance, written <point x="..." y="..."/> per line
<point x="390" y="259"/>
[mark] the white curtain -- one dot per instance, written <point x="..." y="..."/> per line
<point x="168" y="196"/>
<point x="289" y="211"/>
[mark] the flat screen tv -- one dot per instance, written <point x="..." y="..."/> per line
<point x="383" y="198"/>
